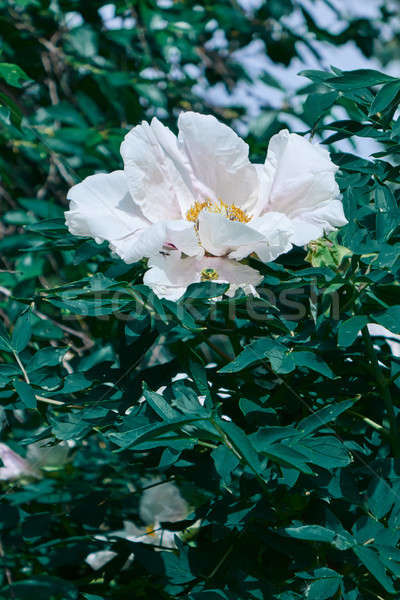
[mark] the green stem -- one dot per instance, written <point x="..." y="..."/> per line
<point x="383" y="385"/>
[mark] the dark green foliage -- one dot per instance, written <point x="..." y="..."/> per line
<point x="291" y="461"/>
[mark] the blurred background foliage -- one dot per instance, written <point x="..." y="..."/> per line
<point x="94" y="69"/>
<point x="292" y="505"/>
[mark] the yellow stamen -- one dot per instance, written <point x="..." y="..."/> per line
<point x="150" y="531"/>
<point x="209" y="274"/>
<point x="194" y="211"/>
<point x="230" y="211"/>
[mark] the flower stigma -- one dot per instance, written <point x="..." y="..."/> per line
<point x="230" y="211"/>
<point x="209" y="274"/>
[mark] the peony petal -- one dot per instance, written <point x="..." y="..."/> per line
<point x="14" y="466"/>
<point x="97" y="560"/>
<point x="189" y="189"/>
<point x="101" y="207"/>
<point x="153" y="179"/>
<point x="313" y="224"/>
<point x="303" y="186"/>
<point x="152" y="534"/>
<point x="170" y="275"/>
<point x="293" y="160"/>
<point x="265" y="175"/>
<point x="183" y="235"/>
<point x="219" y="160"/>
<point x="234" y="273"/>
<point x="220" y="236"/>
<point x="149" y="241"/>
<point x="277" y="231"/>
<point x="162" y="503"/>
<point x="39" y="455"/>
<point x="141" y="244"/>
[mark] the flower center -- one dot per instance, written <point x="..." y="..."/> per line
<point x="150" y="531"/>
<point x="230" y="211"/>
<point x="209" y="274"/>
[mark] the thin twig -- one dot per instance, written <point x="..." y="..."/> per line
<point x="220" y="352"/>
<point x="50" y="400"/>
<point x="25" y="374"/>
<point x="85" y="338"/>
<point x="21" y="366"/>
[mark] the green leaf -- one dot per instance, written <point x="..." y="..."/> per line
<point x="22" y="332"/>
<point x="348" y="330"/>
<point x="272" y="81"/>
<point x="387" y="95"/>
<point x="359" y="78"/>
<point x="306" y="358"/>
<point x="381" y="497"/>
<point x="26" y="393"/>
<point x="388" y="214"/>
<point x="159" y="405"/>
<point x="325" y="451"/>
<point x="374" y="565"/>
<point x="326" y="414"/>
<point x="204" y="290"/>
<point x="143" y="433"/>
<point x="46" y="357"/>
<point x="83" y="41"/>
<point x="317" y="105"/>
<point x="315" y="75"/>
<point x="256" y="351"/>
<point x="45" y="588"/>
<point x="177" y="567"/>
<point x="390" y="318"/>
<point x="325" y="584"/>
<point x="225" y="463"/>
<point x="13" y="74"/>
<point x="241" y="443"/>
<point x="312" y="533"/>
<point x="199" y="376"/>
<point x="281" y="453"/>
<point x="5" y="342"/>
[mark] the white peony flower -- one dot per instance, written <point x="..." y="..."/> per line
<point x="38" y="457"/>
<point x="160" y="503"/>
<point x="14" y="466"/>
<point x="199" y="194"/>
<point x="169" y="275"/>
